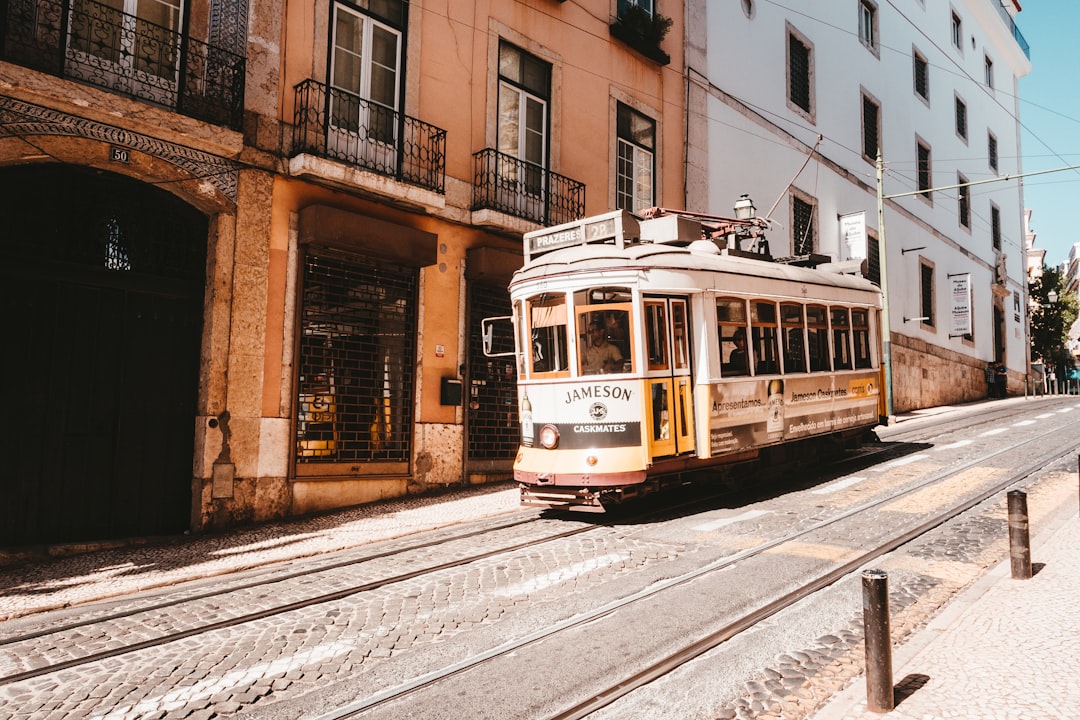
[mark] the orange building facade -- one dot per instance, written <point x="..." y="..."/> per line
<point x="251" y="243"/>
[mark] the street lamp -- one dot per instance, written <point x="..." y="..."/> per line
<point x="1052" y="296"/>
<point x="744" y="208"/>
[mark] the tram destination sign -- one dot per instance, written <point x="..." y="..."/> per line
<point x="602" y="228"/>
<point x="564" y="237"/>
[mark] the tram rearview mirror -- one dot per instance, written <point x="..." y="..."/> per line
<point x="498" y="332"/>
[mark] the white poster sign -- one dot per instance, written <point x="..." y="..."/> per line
<point x="853" y="235"/>
<point x="961" y="304"/>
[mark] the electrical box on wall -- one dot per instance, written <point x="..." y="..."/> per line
<point x="450" y="392"/>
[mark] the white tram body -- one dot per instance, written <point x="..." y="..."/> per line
<point x="677" y="394"/>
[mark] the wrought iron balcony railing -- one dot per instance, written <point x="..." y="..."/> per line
<point x="98" y="45"/>
<point x="523" y="189"/>
<point x="340" y="125"/>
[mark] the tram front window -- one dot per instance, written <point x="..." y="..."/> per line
<point x="547" y="333"/>
<point x="604" y="330"/>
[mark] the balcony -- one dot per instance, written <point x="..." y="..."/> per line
<point x="95" y="44"/>
<point x="1011" y="24"/>
<point x="523" y="189"/>
<point x="339" y="125"/>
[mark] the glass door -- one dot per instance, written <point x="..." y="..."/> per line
<point x="363" y="122"/>
<point x="127" y="45"/>
<point x="669" y="384"/>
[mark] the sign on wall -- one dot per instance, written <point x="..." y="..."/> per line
<point x="961" y="304"/>
<point x="853" y="235"/>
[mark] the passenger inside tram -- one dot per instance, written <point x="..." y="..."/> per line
<point x="598" y="355"/>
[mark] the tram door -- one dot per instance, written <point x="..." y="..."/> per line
<point x="670" y="401"/>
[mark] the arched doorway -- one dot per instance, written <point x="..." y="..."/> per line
<point x="101" y="302"/>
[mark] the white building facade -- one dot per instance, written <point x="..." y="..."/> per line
<point x="793" y="107"/>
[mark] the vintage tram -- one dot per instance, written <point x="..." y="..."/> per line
<point x="652" y="348"/>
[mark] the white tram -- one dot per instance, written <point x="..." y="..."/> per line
<point x="648" y="349"/>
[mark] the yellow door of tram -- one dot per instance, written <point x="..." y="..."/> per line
<point x="670" y="420"/>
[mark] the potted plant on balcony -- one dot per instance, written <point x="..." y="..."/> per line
<point x="643" y="31"/>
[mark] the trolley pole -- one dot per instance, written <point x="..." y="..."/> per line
<point x="886" y="325"/>
<point x="879" y="680"/>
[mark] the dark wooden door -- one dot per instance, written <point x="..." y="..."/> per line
<point x="100" y="374"/>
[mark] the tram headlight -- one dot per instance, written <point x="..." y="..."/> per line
<point x="549" y="437"/>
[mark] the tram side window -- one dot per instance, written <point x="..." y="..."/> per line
<point x="763" y="325"/>
<point x="841" y="329"/>
<point x="547" y="333"/>
<point x="793" y="336"/>
<point x="817" y="338"/>
<point x="731" y="329"/>
<point x="860" y="331"/>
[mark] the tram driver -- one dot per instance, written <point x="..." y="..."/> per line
<point x="598" y="355"/>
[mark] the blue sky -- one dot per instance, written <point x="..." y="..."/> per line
<point x="1050" y="116"/>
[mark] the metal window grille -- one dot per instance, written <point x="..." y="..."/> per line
<point x="962" y="197"/>
<point x="927" y="293"/>
<point x="871" y="121"/>
<point x="924" y="169"/>
<point x="357" y="350"/>
<point x="799" y="72"/>
<point x="803" y="215"/>
<point x="492" y="428"/>
<point x="961" y="118"/>
<point x="995" y="227"/>
<point x="922" y="77"/>
<point x="873" y="259"/>
<point x="992" y="151"/>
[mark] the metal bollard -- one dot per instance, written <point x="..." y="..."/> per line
<point x="1019" y="542"/>
<point x="879" y="681"/>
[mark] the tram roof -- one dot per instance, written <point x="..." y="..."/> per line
<point x="702" y="256"/>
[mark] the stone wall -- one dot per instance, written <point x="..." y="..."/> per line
<point x="926" y="375"/>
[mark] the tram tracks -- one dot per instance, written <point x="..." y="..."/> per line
<point x="263" y="587"/>
<point x="417" y="572"/>
<point x="698" y="646"/>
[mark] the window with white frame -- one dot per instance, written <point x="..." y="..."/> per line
<point x="957" y="32"/>
<point x="992" y="150"/>
<point x="868" y="23"/>
<point x="524" y="92"/>
<point x="645" y="5"/>
<point x="635" y="160"/>
<point x="365" y="70"/>
<point x="988" y="70"/>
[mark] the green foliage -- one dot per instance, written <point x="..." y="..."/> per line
<point x="651" y="28"/>
<point x="1050" y="322"/>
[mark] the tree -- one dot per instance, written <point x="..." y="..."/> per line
<point x="1050" y="321"/>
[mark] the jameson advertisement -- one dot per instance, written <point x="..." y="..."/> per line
<point x="753" y="413"/>
<point x="590" y="415"/>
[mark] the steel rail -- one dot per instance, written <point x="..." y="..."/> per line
<point x="700" y="646"/>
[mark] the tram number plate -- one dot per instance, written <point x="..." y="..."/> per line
<point x="119" y="154"/>
<point x="600" y="230"/>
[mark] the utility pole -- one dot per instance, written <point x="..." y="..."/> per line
<point x="886" y="325"/>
